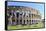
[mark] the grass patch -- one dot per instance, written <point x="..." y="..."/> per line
<point x="34" y="26"/>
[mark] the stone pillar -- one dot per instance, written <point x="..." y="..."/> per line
<point x="25" y="21"/>
<point x="10" y="20"/>
<point x="19" y="20"/>
<point x="22" y="19"/>
<point x="28" y="20"/>
<point x="15" y="20"/>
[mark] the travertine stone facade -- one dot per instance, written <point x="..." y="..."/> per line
<point x="23" y="15"/>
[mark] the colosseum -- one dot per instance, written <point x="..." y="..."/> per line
<point x="21" y="15"/>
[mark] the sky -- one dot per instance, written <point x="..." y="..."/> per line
<point x="37" y="6"/>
